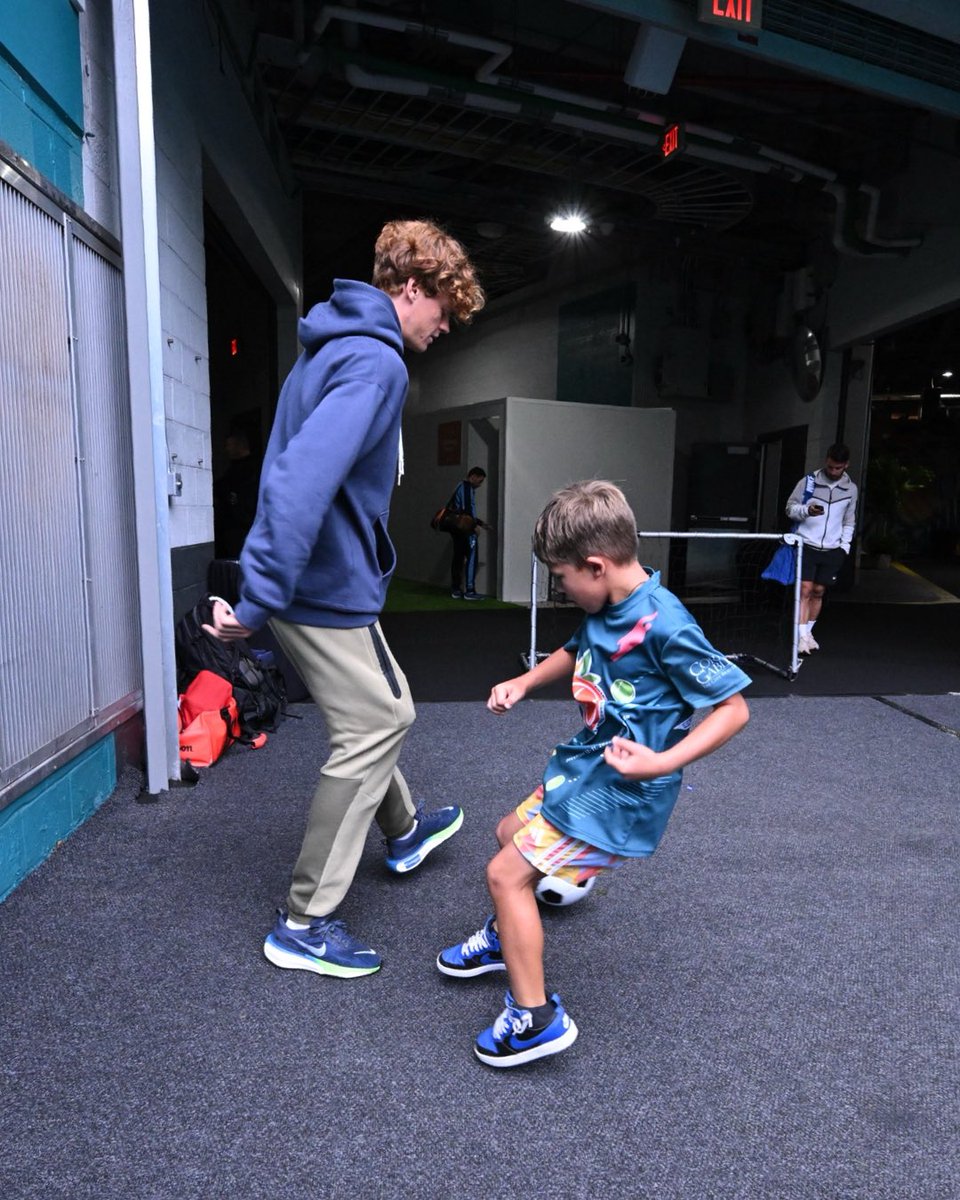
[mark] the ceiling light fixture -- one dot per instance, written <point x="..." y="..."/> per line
<point x="947" y="374"/>
<point x="571" y="223"/>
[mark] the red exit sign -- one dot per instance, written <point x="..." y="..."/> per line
<point x="672" y="141"/>
<point x="741" y="14"/>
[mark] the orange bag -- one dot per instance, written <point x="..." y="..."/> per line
<point x="208" y="719"/>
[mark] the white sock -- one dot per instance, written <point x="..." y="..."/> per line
<point x="810" y="625"/>
<point x="292" y="924"/>
<point x="403" y="837"/>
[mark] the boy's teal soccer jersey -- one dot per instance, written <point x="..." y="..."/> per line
<point x="643" y="667"/>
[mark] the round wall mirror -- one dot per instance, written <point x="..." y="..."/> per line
<point x="806" y="362"/>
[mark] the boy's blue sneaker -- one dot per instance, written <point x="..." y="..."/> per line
<point x="479" y="954"/>
<point x="510" y="1041"/>
<point x="430" y="831"/>
<point x="325" y="947"/>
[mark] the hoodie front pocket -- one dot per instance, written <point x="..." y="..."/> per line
<point x="386" y="554"/>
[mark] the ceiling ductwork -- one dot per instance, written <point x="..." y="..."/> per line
<point x="501" y="115"/>
<point x="855" y="235"/>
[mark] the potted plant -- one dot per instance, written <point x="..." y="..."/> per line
<point x="882" y="548"/>
<point x="885" y="485"/>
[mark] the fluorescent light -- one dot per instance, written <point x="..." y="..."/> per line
<point x="571" y="223"/>
<point x="947" y="374"/>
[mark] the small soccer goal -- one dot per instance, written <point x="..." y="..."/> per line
<point x="718" y="577"/>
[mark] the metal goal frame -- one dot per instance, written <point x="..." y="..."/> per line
<point x="790" y="672"/>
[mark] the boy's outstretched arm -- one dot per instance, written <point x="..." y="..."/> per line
<point x="634" y="761"/>
<point x="559" y="665"/>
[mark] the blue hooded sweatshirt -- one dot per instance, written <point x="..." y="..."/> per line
<point x="318" y="552"/>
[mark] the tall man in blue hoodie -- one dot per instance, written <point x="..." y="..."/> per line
<point x="317" y="562"/>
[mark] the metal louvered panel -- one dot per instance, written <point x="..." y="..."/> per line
<point x="43" y="653"/>
<point x="106" y="476"/>
<point x="69" y="651"/>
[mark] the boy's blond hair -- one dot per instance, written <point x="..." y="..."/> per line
<point x="590" y="517"/>
<point x="423" y="251"/>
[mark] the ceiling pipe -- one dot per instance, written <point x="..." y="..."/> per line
<point x="870" y="222"/>
<point x="844" y="239"/>
<point x="498" y="51"/>
<point x="359" y="77"/>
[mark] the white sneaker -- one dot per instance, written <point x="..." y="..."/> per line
<point x="804" y="644"/>
<point x="812" y="642"/>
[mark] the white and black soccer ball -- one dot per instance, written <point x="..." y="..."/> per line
<point x="558" y="893"/>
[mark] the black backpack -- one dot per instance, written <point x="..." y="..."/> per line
<point x="258" y="686"/>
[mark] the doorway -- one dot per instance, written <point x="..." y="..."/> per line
<point x="784" y="462"/>
<point x="483" y="450"/>
<point x="242" y="345"/>
<point x="911" y="504"/>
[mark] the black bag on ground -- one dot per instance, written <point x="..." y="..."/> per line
<point x="258" y="685"/>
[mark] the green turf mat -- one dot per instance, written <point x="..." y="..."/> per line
<point x="407" y="595"/>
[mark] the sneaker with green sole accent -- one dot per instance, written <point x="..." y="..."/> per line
<point x="324" y="947"/>
<point x="432" y="830"/>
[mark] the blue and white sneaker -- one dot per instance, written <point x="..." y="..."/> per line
<point x="479" y="954"/>
<point x="511" y="1041"/>
<point x="431" y="830"/>
<point x="325" y="947"/>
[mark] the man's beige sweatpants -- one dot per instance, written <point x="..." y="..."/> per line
<point x="366" y="704"/>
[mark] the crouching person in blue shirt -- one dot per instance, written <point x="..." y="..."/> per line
<point x="640" y="666"/>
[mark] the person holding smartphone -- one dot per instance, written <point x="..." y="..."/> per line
<point x="826" y="520"/>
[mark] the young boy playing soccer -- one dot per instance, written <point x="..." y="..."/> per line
<point x="640" y="667"/>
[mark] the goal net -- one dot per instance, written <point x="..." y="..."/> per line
<point x="718" y="577"/>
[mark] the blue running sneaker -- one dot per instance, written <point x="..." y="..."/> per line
<point x="510" y="1041"/>
<point x="431" y="830"/>
<point x="479" y="954"/>
<point x="325" y="947"/>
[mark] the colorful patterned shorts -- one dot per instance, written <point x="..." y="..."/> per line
<point x="556" y="853"/>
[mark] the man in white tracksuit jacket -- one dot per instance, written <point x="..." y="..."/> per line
<point x="825" y="517"/>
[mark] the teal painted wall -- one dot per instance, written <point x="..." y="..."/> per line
<point x="41" y="91"/>
<point x="32" y="826"/>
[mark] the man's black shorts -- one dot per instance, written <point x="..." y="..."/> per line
<point x="822" y="566"/>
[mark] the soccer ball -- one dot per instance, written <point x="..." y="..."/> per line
<point x="558" y="893"/>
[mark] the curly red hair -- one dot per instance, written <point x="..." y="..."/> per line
<point x="423" y="251"/>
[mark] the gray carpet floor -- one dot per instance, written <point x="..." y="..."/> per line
<point x="768" y="1007"/>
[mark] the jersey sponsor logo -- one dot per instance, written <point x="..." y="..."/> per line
<point x="635" y="636"/>
<point x="708" y="670"/>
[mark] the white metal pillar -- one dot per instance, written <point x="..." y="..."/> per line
<point x="141" y="282"/>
